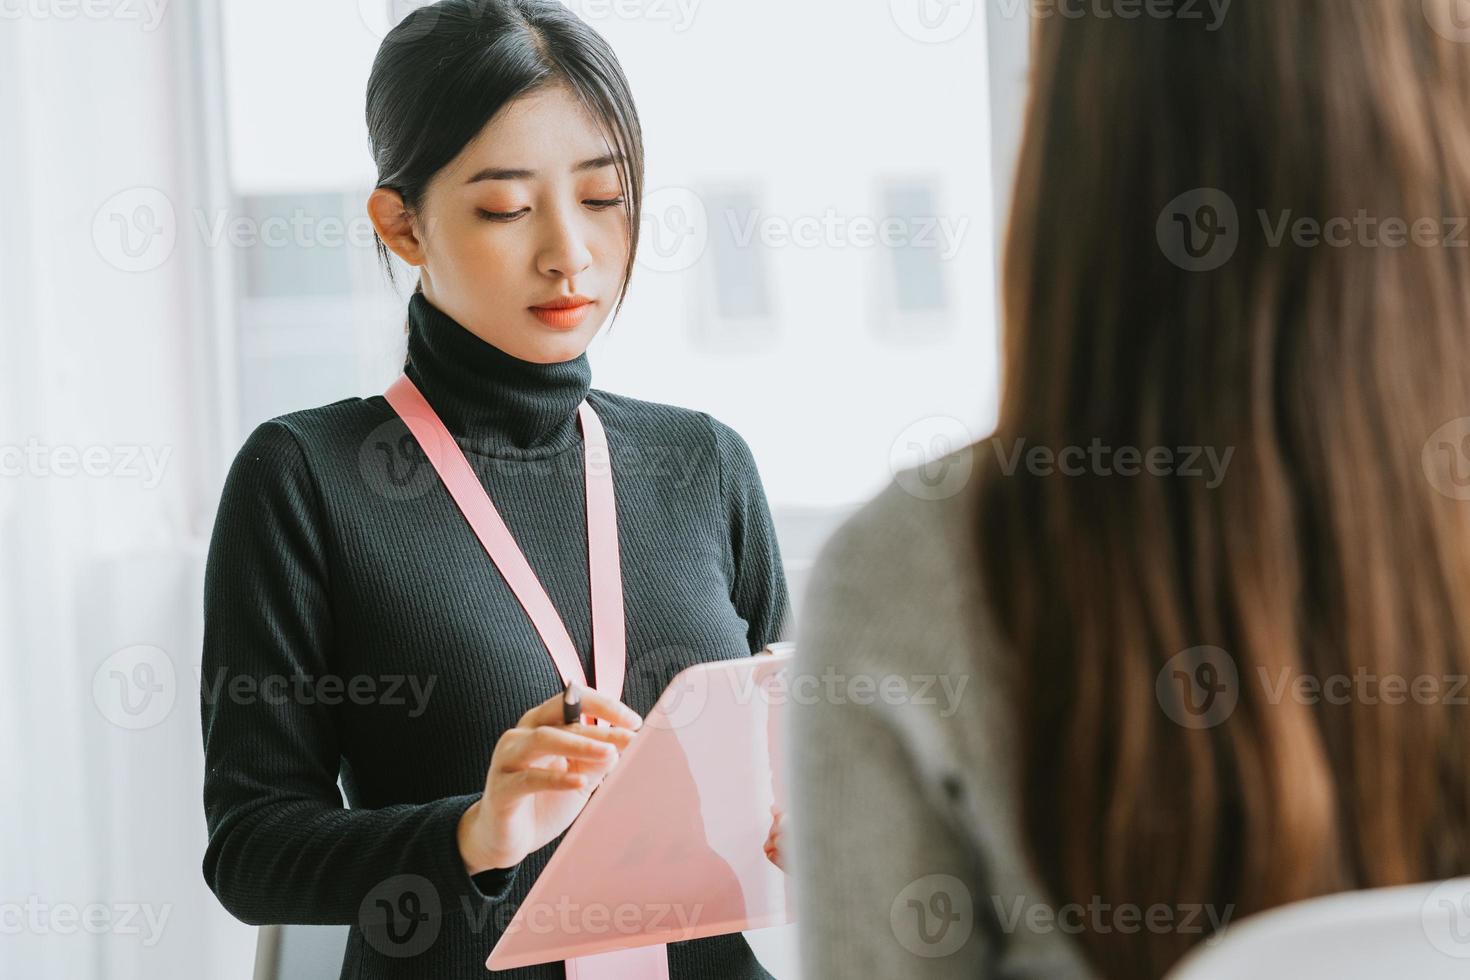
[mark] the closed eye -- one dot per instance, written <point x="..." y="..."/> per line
<point x="502" y="215"/>
<point x="598" y="205"/>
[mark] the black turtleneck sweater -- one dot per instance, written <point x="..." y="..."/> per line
<point x="354" y="627"/>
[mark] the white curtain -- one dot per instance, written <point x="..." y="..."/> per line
<point x="113" y="414"/>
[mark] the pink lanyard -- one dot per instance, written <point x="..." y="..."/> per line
<point x="609" y="647"/>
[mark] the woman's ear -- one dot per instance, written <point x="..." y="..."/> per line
<point x="392" y="222"/>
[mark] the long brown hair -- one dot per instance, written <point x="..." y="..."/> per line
<point x="1332" y="547"/>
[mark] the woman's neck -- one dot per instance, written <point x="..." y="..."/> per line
<point x="492" y="401"/>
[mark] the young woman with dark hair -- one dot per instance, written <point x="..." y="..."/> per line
<point x="344" y="580"/>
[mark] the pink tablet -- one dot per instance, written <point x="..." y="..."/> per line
<point x="670" y="846"/>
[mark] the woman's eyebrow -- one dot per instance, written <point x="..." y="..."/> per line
<point x="512" y="173"/>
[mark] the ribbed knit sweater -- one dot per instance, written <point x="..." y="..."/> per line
<point x="355" y="628"/>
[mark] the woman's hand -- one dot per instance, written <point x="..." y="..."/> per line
<point x="775" y="840"/>
<point x="541" y="774"/>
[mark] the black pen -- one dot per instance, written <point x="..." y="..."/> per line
<point x="571" y="707"/>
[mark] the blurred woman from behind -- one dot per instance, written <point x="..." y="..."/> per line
<point x="1238" y="325"/>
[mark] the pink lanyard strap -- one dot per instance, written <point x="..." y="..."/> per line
<point x="608" y="641"/>
<point x="609" y="645"/>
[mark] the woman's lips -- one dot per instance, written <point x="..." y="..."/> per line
<point x="566" y="318"/>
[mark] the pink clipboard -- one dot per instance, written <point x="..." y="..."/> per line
<point x="670" y="846"/>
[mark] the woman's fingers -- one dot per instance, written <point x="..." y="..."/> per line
<point x="594" y="703"/>
<point x="522" y="745"/>
<point x="536" y="780"/>
<point x="618" y="736"/>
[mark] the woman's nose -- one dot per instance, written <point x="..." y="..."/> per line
<point x="565" y="253"/>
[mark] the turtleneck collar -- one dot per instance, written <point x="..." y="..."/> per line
<point x="492" y="401"/>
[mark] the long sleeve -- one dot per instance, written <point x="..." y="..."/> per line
<point x="759" y="590"/>
<point x="886" y="883"/>
<point x="282" y="847"/>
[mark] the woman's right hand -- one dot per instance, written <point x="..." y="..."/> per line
<point x="541" y="774"/>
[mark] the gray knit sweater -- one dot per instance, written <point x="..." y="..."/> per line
<point x="904" y="838"/>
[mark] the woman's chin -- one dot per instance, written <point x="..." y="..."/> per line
<point x="552" y="346"/>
